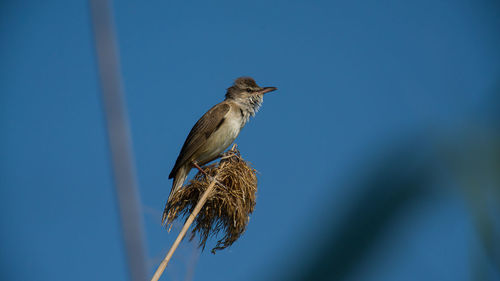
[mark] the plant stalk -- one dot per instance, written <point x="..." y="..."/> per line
<point x="187" y="224"/>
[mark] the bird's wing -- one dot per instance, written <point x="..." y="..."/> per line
<point x="200" y="132"/>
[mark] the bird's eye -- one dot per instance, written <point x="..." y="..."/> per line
<point x="249" y="90"/>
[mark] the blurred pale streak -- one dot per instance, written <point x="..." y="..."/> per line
<point x="119" y="138"/>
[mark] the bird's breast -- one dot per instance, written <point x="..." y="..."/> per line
<point x="229" y="130"/>
<point x="222" y="137"/>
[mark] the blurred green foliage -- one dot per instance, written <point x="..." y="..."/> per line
<point x="467" y="156"/>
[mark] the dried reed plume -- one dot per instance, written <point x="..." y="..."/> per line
<point x="221" y="198"/>
<point x="229" y="205"/>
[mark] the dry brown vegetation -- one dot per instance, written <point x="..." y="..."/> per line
<point x="229" y="205"/>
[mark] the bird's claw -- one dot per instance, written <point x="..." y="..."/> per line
<point x="227" y="154"/>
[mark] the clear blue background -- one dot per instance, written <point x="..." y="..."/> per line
<point x="354" y="77"/>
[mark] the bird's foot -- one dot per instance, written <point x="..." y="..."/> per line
<point x="227" y="154"/>
<point x="230" y="153"/>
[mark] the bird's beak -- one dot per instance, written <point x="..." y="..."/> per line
<point x="267" y="90"/>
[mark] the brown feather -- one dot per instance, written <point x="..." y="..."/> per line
<point x="200" y="132"/>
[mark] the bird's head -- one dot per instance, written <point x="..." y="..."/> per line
<point x="245" y="88"/>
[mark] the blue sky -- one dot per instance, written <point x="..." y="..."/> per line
<point x="355" y="78"/>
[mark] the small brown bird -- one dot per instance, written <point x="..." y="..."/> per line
<point x="217" y="129"/>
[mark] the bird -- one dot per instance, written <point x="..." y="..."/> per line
<point x="216" y="130"/>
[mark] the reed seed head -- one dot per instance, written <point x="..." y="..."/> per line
<point x="227" y="209"/>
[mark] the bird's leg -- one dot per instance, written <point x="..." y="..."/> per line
<point x="195" y="164"/>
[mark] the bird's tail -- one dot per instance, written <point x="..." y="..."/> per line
<point x="179" y="179"/>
